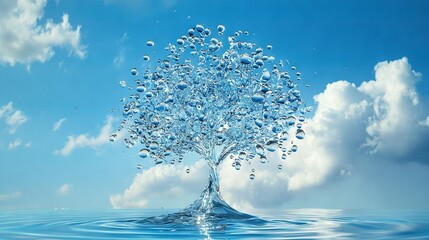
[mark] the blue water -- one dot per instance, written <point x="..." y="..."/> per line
<point x="287" y="224"/>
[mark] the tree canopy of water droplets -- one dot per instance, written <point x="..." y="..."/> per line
<point x="212" y="91"/>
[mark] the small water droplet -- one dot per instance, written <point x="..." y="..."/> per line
<point x="113" y="137"/>
<point x="220" y="29"/>
<point x="280" y="166"/>
<point x="284" y="156"/>
<point x="285" y="135"/>
<point x="146" y="57"/>
<point x="259" y="150"/>
<point x="257" y="98"/>
<point x="252" y="176"/>
<point x="253" y="170"/>
<point x="293" y="68"/>
<point x="182" y="85"/>
<point x="141" y="88"/>
<point x="294" y="148"/>
<point x="188" y="170"/>
<point x="199" y="28"/>
<point x="122" y="83"/>
<point x="150" y="43"/>
<point x="242" y="155"/>
<point x="139" y="166"/>
<point x="180" y="41"/>
<point x="263" y="159"/>
<point x="237" y="165"/>
<point x="272" y="146"/>
<point x="269" y="47"/>
<point x="134" y="71"/>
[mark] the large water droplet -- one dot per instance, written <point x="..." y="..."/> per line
<point x="252" y="176"/>
<point x="300" y="134"/>
<point x="257" y="98"/>
<point x="134" y="71"/>
<point x="144" y="153"/>
<point x="294" y="148"/>
<point x="182" y="85"/>
<point x="153" y="145"/>
<point x="272" y="146"/>
<point x="245" y="59"/>
<point x="263" y="159"/>
<point x="242" y="155"/>
<point x="285" y="135"/>
<point x="266" y="75"/>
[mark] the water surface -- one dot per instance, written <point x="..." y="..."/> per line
<point x="284" y="224"/>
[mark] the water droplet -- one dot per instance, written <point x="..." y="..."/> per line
<point x="252" y="176"/>
<point x="113" y="137"/>
<point x="294" y="148"/>
<point x="188" y="170"/>
<point x="272" y="146"/>
<point x="134" y="71"/>
<point x="199" y="28"/>
<point x="122" y="83"/>
<point x="266" y="75"/>
<point x="220" y="29"/>
<point x="253" y="170"/>
<point x="153" y="145"/>
<point x="182" y="85"/>
<point x="300" y="134"/>
<point x="245" y="59"/>
<point x="141" y="88"/>
<point x="284" y="156"/>
<point x="180" y="41"/>
<point x="293" y="68"/>
<point x="237" y="165"/>
<point x="257" y="98"/>
<point x="285" y="135"/>
<point x="269" y="47"/>
<point x="150" y="43"/>
<point x="280" y="166"/>
<point x="242" y="155"/>
<point x="146" y="57"/>
<point x="144" y="153"/>
<point x="263" y="159"/>
<point x="291" y="120"/>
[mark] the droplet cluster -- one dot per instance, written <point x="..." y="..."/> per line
<point x="212" y="90"/>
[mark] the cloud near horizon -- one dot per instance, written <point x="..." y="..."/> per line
<point x="24" y="40"/>
<point x="379" y="120"/>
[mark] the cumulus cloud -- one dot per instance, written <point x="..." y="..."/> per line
<point x="65" y="189"/>
<point x="24" y="40"/>
<point x="14" y="118"/>
<point x="379" y="120"/>
<point x="10" y="196"/>
<point x="85" y="140"/>
<point x="163" y="185"/>
<point x="58" y="124"/>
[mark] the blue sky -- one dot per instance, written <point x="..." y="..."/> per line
<point x="61" y="63"/>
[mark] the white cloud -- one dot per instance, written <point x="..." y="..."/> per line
<point x="84" y="140"/>
<point x="425" y="122"/>
<point x="24" y="40"/>
<point x="27" y="145"/>
<point x="14" y="144"/>
<point x="65" y="189"/>
<point x="13" y="118"/>
<point x="10" y="196"/>
<point x="57" y="125"/>
<point x="120" y="58"/>
<point x="379" y="120"/>
<point x="170" y="183"/>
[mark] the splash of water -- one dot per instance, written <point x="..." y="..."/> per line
<point x="216" y="96"/>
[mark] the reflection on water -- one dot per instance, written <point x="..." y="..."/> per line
<point x="287" y="224"/>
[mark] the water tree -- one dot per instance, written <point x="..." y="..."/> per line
<point x="217" y="96"/>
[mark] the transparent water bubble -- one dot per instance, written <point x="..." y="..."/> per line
<point x="188" y="170"/>
<point x="280" y="166"/>
<point x="134" y="71"/>
<point x="294" y="148"/>
<point x="253" y="170"/>
<point x="272" y="146"/>
<point x="242" y="155"/>
<point x="182" y="85"/>
<point x="246" y="59"/>
<point x="291" y="120"/>
<point x="257" y="98"/>
<point x="284" y="156"/>
<point x="285" y="135"/>
<point x="237" y="165"/>
<point x="293" y="68"/>
<point x="113" y="137"/>
<point x="252" y="176"/>
<point x="180" y="41"/>
<point x="150" y="43"/>
<point x="199" y="28"/>
<point x="301" y="118"/>
<point x="220" y="29"/>
<point x="266" y="75"/>
<point x="141" y="88"/>
<point x="153" y="145"/>
<point x="263" y="159"/>
<point x="146" y="57"/>
<point x="300" y="134"/>
<point x="269" y="47"/>
<point x="122" y="84"/>
<point x="144" y="153"/>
